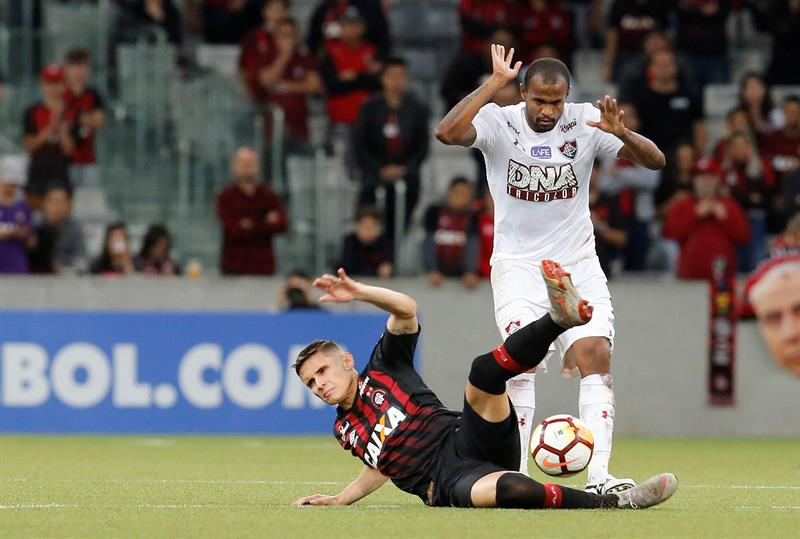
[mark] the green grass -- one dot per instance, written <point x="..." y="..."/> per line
<point x="228" y="487"/>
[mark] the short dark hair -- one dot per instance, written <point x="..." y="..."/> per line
<point x="368" y="212"/>
<point x="319" y="345"/>
<point x="298" y="272"/>
<point x="77" y="56"/>
<point x="794" y="98"/>
<point x="458" y="180"/>
<point x="550" y="70"/>
<point x="394" y="61"/>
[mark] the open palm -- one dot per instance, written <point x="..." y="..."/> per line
<point x="341" y="289"/>
<point x="501" y="63"/>
<point x="610" y="117"/>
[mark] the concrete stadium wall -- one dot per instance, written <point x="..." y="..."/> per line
<point x="659" y="361"/>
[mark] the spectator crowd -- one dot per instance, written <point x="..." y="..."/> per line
<point x="730" y="198"/>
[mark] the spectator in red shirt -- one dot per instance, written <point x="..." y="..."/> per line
<point x="87" y="105"/>
<point x="450" y="248"/>
<point x="48" y="138"/>
<point x="326" y="24"/>
<point x="366" y="251"/>
<point x="707" y="224"/>
<point x="485" y="235"/>
<point x="751" y="182"/>
<point x="258" y="49"/>
<point x="544" y="22"/>
<point x="287" y="81"/>
<point x="782" y="150"/>
<point x="250" y="214"/>
<point x="115" y="259"/>
<point x="480" y="19"/>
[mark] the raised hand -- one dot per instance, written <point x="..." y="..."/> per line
<point x="610" y="117"/>
<point x="341" y="289"/>
<point x="501" y="64"/>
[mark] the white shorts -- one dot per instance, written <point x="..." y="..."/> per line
<point x="520" y="297"/>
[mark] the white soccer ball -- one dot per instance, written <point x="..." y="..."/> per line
<point x="562" y="445"/>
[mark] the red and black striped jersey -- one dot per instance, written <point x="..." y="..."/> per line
<point x="396" y="424"/>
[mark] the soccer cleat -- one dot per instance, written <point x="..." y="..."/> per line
<point x="567" y="308"/>
<point x="611" y="485"/>
<point x="652" y="492"/>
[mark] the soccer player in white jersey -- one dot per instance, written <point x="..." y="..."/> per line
<point x="539" y="155"/>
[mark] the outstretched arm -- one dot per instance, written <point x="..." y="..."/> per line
<point x="343" y="289"/>
<point x="456" y="127"/>
<point x="367" y="482"/>
<point x="637" y="148"/>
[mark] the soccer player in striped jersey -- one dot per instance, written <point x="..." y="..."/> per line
<point x="389" y="419"/>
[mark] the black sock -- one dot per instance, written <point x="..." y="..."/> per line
<point x="521" y="352"/>
<point x="517" y="491"/>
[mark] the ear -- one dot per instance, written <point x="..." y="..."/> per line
<point x="348" y="360"/>
<point x="523" y="91"/>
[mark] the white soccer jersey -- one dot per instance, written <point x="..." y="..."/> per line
<point x="540" y="181"/>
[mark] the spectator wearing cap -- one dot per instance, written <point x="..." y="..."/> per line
<point x="480" y="19"/>
<point x="250" y="214"/>
<point x="58" y="245"/>
<point x="669" y="110"/>
<point x="707" y="225"/>
<point x="326" y="24"/>
<point x="258" y="49"/>
<point x="390" y="141"/>
<point x="48" y="137"/>
<point x="15" y="216"/>
<point x="87" y="105"/>
<point x="349" y="69"/>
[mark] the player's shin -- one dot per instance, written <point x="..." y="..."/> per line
<point x="521" y="390"/>
<point x="596" y="404"/>
<point x="516" y="491"/>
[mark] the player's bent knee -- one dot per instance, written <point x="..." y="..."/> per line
<point x="487" y="375"/>
<point x="593" y="355"/>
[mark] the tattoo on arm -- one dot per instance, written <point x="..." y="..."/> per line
<point x="642" y="150"/>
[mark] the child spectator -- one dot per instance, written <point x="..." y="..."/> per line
<point x="366" y="252"/>
<point x="115" y="258"/>
<point x="154" y="257"/>
<point x="89" y="118"/>
<point x="450" y="248"/>
<point x="707" y="225"/>
<point x="48" y="137"/>
<point x="58" y="245"/>
<point x="15" y="216"/>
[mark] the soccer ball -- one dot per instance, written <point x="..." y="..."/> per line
<point x="562" y="445"/>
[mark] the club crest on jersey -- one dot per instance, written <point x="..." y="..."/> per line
<point x="512" y="327"/>
<point x="541" y="152"/>
<point x="535" y="183"/>
<point x="379" y="400"/>
<point x="569" y="148"/>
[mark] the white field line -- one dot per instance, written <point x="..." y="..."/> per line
<point x="176" y="481"/>
<point x="25" y="506"/>
<point x="745" y="487"/>
<point x="771" y="507"/>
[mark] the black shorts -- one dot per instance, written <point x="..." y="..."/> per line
<point x="475" y="448"/>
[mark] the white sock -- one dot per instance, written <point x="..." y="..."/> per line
<point x="596" y="404"/>
<point x="522" y="392"/>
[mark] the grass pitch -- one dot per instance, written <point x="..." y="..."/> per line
<point x="230" y="487"/>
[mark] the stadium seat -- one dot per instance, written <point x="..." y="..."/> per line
<point x="718" y="99"/>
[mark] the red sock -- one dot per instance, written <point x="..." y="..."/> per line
<point x="552" y="496"/>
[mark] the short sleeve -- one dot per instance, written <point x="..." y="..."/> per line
<point x="604" y="143"/>
<point x="395" y="350"/>
<point x="486" y="125"/>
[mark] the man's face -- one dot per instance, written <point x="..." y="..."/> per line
<point x="53" y="90"/>
<point x="544" y="103"/>
<point x="663" y="67"/>
<point x="77" y="74"/>
<point x="56" y="205"/>
<point x="740" y="149"/>
<point x="777" y="305"/>
<point x="274" y="10"/>
<point x="459" y="196"/>
<point x="791" y="115"/>
<point x="352" y="30"/>
<point x="368" y="230"/>
<point x="329" y="376"/>
<point x="395" y="80"/>
<point x="706" y="185"/>
<point x="286" y="35"/>
<point x="8" y="190"/>
<point x="245" y="165"/>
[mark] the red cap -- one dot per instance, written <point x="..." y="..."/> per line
<point x="52" y="73"/>
<point x="706" y="165"/>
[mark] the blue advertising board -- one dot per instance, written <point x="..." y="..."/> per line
<point x="167" y="372"/>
